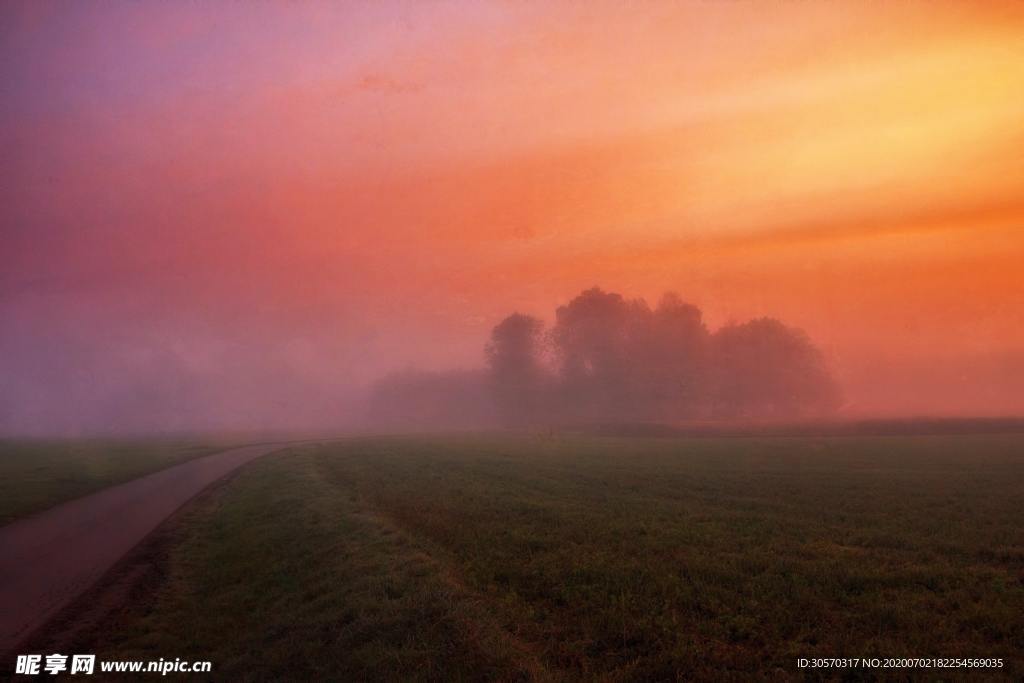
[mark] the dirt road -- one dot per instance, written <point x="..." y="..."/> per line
<point x="49" y="559"/>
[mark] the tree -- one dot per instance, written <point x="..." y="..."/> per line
<point x="764" y="369"/>
<point x="622" y="361"/>
<point x="591" y="338"/>
<point x="669" y="349"/>
<point x="516" y="372"/>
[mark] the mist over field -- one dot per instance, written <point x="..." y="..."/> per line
<point x="622" y="361"/>
<point x="234" y="217"/>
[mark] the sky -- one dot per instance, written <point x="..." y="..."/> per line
<point x="220" y="215"/>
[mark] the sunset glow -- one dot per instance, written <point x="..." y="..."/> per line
<point x="275" y="200"/>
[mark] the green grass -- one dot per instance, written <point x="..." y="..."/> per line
<point x="505" y="557"/>
<point x="38" y="474"/>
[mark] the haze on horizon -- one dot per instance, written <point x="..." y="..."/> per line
<point x="239" y="215"/>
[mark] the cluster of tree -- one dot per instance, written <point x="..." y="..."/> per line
<point x="609" y="359"/>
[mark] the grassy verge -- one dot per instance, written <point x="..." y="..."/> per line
<point x="617" y="559"/>
<point x="283" y="575"/>
<point x="38" y="474"/>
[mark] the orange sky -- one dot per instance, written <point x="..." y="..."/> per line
<point x="343" y="188"/>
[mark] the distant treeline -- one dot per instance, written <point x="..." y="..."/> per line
<point x="608" y="359"/>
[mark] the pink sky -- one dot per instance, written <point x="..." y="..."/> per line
<point x="244" y="211"/>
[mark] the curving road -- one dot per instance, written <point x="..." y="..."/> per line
<point x="49" y="559"/>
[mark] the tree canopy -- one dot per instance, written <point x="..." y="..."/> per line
<point x="611" y="359"/>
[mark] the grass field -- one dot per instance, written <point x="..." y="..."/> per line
<point x="519" y="557"/>
<point x="38" y="474"/>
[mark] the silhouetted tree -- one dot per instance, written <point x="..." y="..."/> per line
<point x="591" y="338"/>
<point x="516" y="372"/>
<point x="764" y="369"/>
<point x="668" y="353"/>
<point x="621" y="360"/>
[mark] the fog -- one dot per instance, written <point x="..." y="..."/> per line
<point x="595" y="358"/>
